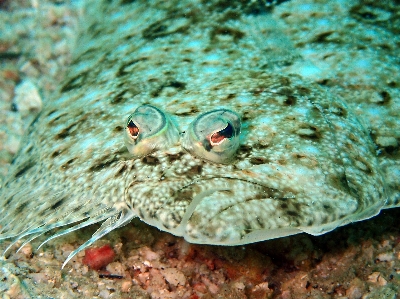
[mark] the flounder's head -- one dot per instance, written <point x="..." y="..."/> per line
<point x="238" y="174"/>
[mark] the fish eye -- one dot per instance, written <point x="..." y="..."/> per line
<point x="214" y="136"/>
<point x="149" y="129"/>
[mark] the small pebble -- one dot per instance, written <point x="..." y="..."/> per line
<point x="174" y="276"/>
<point x="27" y="98"/>
<point x="126" y="286"/>
<point x="385" y="257"/>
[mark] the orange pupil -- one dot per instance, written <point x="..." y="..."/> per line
<point x="133" y="129"/>
<point x="218" y="137"/>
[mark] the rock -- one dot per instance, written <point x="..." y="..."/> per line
<point x="174" y="276"/>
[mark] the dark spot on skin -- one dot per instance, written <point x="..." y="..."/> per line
<point x="103" y="162"/>
<point x="354" y="138"/>
<point x="176" y="218"/>
<point x="123" y="69"/>
<point x="21" y="208"/>
<point x="261" y="224"/>
<point x="175" y="157"/>
<point x="121" y="170"/>
<point x="324" y="82"/>
<point x="173" y="83"/>
<point x="195" y="170"/>
<point x="258" y="160"/>
<point x="261" y="146"/>
<point x="342" y="183"/>
<point x="248" y="7"/>
<point x="118" y="129"/>
<point x="56" y="153"/>
<point x="29" y="150"/>
<point x="119" y="98"/>
<point x="14" y="107"/>
<point x="367" y="15"/>
<point x="327" y="207"/>
<point x="8" y="201"/>
<point x="322" y="37"/>
<point x="10" y="55"/>
<point x="57" y="204"/>
<point x="24" y="168"/>
<point x="339" y="111"/>
<point x="284" y="206"/>
<point x="193" y="110"/>
<point x="227" y="192"/>
<point x="51" y="122"/>
<point x="166" y="225"/>
<point x="165" y="27"/>
<point x="303" y="91"/>
<point x="229" y="97"/>
<point x="125" y="2"/>
<point x="87" y="55"/>
<point x="311" y="132"/>
<point x="297" y="206"/>
<point x="51" y="112"/>
<point x="292" y="213"/>
<point x="364" y="166"/>
<point x="177" y="84"/>
<point x="391" y="150"/>
<point x="247" y="116"/>
<point x="247" y="226"/>
<point x="75" y="82"/>
<point x="284" y="81"/>
<point x="285" y="91"/>
<point x="67" y="164"/>
<point x="229" y="15"/>
<point x="386" y="98"/>
<point x="235" y="33"/>
<point x="141" y="214"/>
<point x="157" y="29"/>
<point x="244" y="149"/>
<point x="290" y="101"/>
<point x="150" y="160"/>
<point x="66" y="132"/>
<point x="33" y="123"/>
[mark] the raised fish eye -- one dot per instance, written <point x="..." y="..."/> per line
<point x="214" y="136"/>
<point x="149" y="129"/>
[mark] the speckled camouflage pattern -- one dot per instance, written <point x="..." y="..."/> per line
<point x="305" y="162"/>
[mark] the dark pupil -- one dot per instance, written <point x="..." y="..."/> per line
<point x="224" y="133"/>
<point x="133" y="129"/>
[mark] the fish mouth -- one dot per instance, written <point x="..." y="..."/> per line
<point x="245" y="206"/>
<point x="225" y="210"/>
<point x="237" y="212"/>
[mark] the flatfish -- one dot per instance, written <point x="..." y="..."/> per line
<point x="180" y="113"/>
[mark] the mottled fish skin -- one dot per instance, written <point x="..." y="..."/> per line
<point x="304" y="164"/>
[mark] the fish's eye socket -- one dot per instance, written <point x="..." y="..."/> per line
<point x="214" y="136"/>
<point x="149" y="129"/>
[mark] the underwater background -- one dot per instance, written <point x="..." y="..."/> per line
<point x="351" y="48"/>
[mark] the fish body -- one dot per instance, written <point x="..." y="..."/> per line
<point x="304" y="161"/>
